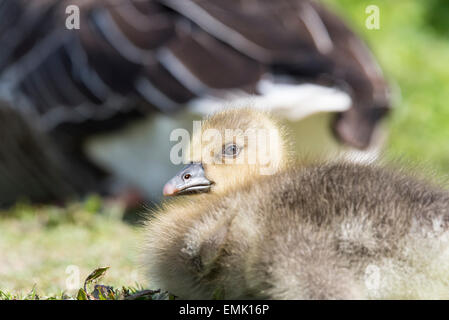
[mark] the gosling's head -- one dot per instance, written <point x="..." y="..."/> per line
<point x="231" y="149"/>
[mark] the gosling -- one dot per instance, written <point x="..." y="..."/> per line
<point x="321" y="231"/>
<point x="234" y="146"/>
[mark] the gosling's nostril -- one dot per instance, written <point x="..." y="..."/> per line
<point x="190" y="178"/>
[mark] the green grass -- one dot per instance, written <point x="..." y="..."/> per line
<point x="93" y="291"/>
<point x="38" y="244"/>
<point x="42" y="248"/>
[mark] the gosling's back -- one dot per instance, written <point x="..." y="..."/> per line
<point x="324" y="231"/>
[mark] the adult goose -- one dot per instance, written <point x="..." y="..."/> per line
<point x="162" y="60"/>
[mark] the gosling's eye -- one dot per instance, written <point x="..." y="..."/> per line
<point x="231" y="150"/>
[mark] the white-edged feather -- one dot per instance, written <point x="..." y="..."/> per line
<point x="290" y="101"/>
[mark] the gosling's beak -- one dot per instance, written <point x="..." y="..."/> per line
<point x="191" y="179"/>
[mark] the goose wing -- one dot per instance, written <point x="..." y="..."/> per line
<point x="130" y="58"/>
<point x="160" y="54"/>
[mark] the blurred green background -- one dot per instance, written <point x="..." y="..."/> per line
<point x="412" y="46"/>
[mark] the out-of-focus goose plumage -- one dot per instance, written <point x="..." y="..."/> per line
<point x="132" y="57"/>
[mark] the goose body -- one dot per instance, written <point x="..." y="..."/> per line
<point x="96" y="92"/>
<point x="341" y="231"/>
<point x="312" y="231"/>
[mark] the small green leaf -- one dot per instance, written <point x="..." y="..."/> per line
<point x="81" y="295"/>
<point x="95" y="275"/>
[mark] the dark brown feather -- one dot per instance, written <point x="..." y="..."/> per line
<point x="116" y="64"/>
